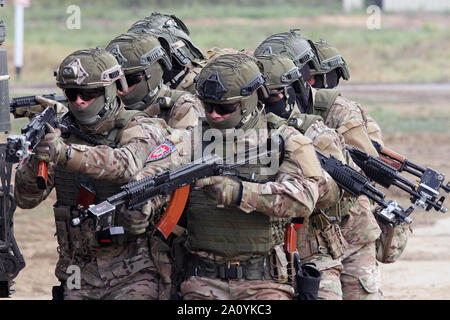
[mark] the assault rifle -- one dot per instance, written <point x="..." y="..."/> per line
<point x="18" y="147"/>
<point x="28" y="106"/>
<point x="176" y="182"/>
<point x="11" y="260"/>
<point x="21" y="146"/>
<point x="385" y="171"/>
<point x="357" y="184"/>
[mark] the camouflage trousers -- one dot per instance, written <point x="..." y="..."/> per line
<point x="143" y="285"/>
<point x="330" y="284"/>
<point x="200" y="288"/>
<point x="361" y="275"/>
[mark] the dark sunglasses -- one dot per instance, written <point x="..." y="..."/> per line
<point x="85" y="94"/>
<point x="132" y="79"/>
<point x="221" y="108"/>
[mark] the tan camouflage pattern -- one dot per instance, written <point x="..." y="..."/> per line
<point x="199" y="288"/>
<point x="291" y="194"/>
<point x="345" y="116"/>
<point x="360" y="278"/>
<point x="160" y="252"/>
<point x="113" y="273"/>
<point x="374" y="130"/>
<point x="123" y="271"/>
<point x="140" y="137"/>
<point x="359" y="225"/>
<point x="186" y="112"/>
<point x="392" y="242"/>
<point x="330" y="285"/>
<point x="330" y="142"/>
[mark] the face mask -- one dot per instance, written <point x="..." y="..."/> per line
<point x="280" y="103"/>
<point x="328" y="80"/>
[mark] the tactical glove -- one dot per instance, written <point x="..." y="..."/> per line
<point x="52" y="147"/>
<point x="226" y="190"/>
<point x="59" y="107"/>
<point x="135" y="221"/>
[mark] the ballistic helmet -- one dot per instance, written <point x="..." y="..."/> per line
<point x="284" y="81"/>
<point x="293" y="45"/>
<point x="140" y="55"/>
<point x="173" y="31"/>
<point x="91" y="69"/>
<point x="234" y="82"/>
<point x="330" y="59"/>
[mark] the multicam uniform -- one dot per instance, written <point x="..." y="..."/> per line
<point x="360" y="279"/>
<point x="233" y="247"/>
<point x="141" y="52"/>
<point x="123" y="269"/>
<point x="320" y="239"/>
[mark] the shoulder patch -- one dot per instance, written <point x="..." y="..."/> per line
<point x="162" y="151"/>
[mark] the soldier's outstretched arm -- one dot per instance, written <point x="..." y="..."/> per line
<point x="346" y="117"/>
<point x="295" y="189"/>
<point x="141" y="136"/>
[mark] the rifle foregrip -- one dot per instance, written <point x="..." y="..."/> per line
<point x="42" y="175"/>
<point x="392" y="154"/>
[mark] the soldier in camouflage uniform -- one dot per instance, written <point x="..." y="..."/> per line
<point x="111" y="266"/>
<point x="360" y="279"/>
<point x="320" y="240"/>
<point x="338" y="113"/>
<point x="144" y="61"/>
<point x="187" y="59"/>
<point x="235" y="225"/>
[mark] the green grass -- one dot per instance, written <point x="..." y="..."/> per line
<point x="417" y="54"/>
<point x="392" y="121"/>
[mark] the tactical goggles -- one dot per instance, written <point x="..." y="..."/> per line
<point x="85" y="94"/>
<point x="221" y="109"/>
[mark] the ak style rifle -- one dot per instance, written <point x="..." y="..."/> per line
<point x="176" y="182"/>
<point x="356" y="184"/>
<point x="27" y="106"/>
<point x="11" y="259"/>
<point x="385" y="170"/>
<point x="19" y="147"/>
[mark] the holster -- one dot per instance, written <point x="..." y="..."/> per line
<point x="58" y="292"/>
<point x="308" y="282"/>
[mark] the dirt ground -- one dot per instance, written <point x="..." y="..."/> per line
<point x="422" y="272"/>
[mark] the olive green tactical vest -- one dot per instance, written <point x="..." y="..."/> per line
<point x="323" y="101"/>
<point x="67" y="182"/>
<point x="230" y="232"/>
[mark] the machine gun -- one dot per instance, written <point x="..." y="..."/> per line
<point x="176" y="182"/>
<point x="11" y="260"/>
<point x="357" y="184"/>
<point x="385" y="171"/>
<point x="28" y="106"/>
